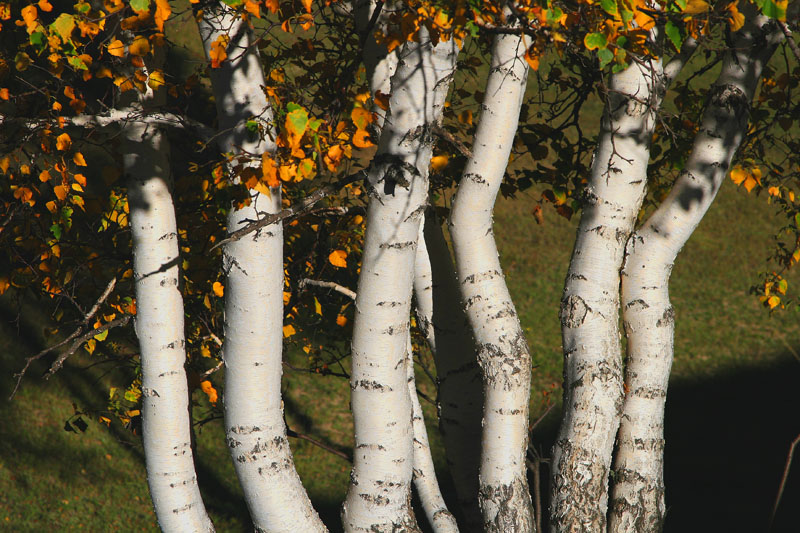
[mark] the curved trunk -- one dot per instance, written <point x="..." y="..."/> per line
<point x="502" y="350"/>
<point x="440" y="519"/>
<point x="159" y="327"/>
<point x="590" y="302"/>
<point x="442" y="321"/>
<point x="378" y="498"/>
<point x="638" y="493"/>
<point x="252" y="349"/>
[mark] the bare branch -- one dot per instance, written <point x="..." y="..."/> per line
<point x="328" y="285"/>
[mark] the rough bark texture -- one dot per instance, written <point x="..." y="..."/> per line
<point x="159" y="327"/>
<point x="441" y="318"/>
<point x="637" y="503"/>
<point x="378" y="497"/>
<point x="425" y="483"/>
<point x="501" y="346"/>
<point x="253" y="345"/>
<point x="590" y="302"/>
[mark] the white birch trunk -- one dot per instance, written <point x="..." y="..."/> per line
<point x="590" y="302"/>
<point x="638" y="492"/>
<point x="502" y="349"/>
<point x="378" y="62"/>
<point x="166" y="420"/>
<point x="378" y="498"/>
<point x="424" y="473"/>
<point x="166" y="431"/>
<point x="442" y="321"/>
<point x="253" y="345"/>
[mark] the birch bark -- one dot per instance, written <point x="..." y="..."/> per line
<point x="442" y="321"/>
<point x="590" y="302"/>
<point x="253" y="345"/>
<point x="424" y="473"/>
<point x="378" y="497"/>
<point x="638" y="493"/>
<point x="502" y="350"/>
<point x="166" y="432"/>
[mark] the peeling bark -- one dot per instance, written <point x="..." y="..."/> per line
<point x="501" y="347"/>
<point x="638" y="494"/>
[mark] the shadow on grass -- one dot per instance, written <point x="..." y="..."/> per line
<point x="727" y="440"/>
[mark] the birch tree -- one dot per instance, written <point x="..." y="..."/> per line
<point x="379" y="494"/>
<point x="648" y="316"/>
<point x="501" y="346"/>
<point x="253" y="343"/>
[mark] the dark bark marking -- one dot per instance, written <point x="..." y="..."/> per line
<point x="573" y="311"/>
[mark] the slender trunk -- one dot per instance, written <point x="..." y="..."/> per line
<point x="590" y="302"/>
<point x="442" y="321"/>
<point x="378" y="62"/>
<point x="159" y="327"/>
<point x="440" y="519"/>
<point x="378" y="498"/>
<point x="252" y="350"/>
<point x="638" y="492"/>
<point x="502" y="349"/>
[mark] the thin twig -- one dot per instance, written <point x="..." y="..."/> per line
<point x="305" y="205"/>
<point x="789" y="39"/>
<point x="75" y="334"/>
<point x="783" y="481"/>
<point x="59" y="362"/>
<point x="315" y="442"/>
<point x="447" y="136"/>
<point x="210" y="371"/>
<point x="328" y="285"/>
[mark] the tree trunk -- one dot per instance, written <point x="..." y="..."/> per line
<point x="378" y="498"/>
<point x="159" y="327"/>
<point x="638" y="492"/>
<point x="502" y="349"/>
<point x="440" y="519"/>
<point x="590" y="302"/>
<point x="441" y="318"/>
<point x="253" y="345"/>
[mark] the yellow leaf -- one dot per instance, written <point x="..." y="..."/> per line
<point x="286" y="297"/>
<point x="156" y="80"/>
<point x="140" y="46"/>
<point x="218" y="51"/>
<point x="4" y="163"/>
<point x="774" y="191"/>
<point x="63" y="142"/>
<point x="338" y="258"/>
<point x="210" y="391"/>
<point x="439" y="162"/>
<point x="317" y="306"/>
<point x="695" y="7"/>
<point x="288" y="330"/>
<point x="116" y="48"/>
<point x="90" y="345"/>
<point x="750" y="183"/>
<point x="204" y="351"/>
<point x="105" y="420"/>
<point x="218" y="288"/>
<point x="773" y="301"/>
<point x="735" y="19"/>
<point x="79" y="160"/>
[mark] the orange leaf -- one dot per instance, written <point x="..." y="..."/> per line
<point x="44" y="176"/>
<point x="533" y="60"/>
<point x="338" y="258"/>
<point x="79" y="160"/>
<point x="81" y="179"/>
<point x="341" y="320"/>
<point x="45" y="6"/>
<point x="253" y="8"/>
<point x="749" y="183"/>
<point x="288" y="330"/>
<point x="116" y="48"/>
<point x="218" y="51"/>
<point x="382" y="100"/>
<point x="210" y="391"/>
<point x="218" y="289"/>
<point x="63" y="142"/>
<point x="61" y="192"/>
<point x="738" y="174"/>
<point x="140" y="46"/>
<point x="269" y="170"/>
<point x="361" y="139"/>
<point x="4" y="94"/>
<point x="307" y="5"/>
<point x="439" y="162"/>
<point x="360" y="117"/>
<point x="163" y="11"/>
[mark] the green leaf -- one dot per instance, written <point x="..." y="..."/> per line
<point x="609" y="6"/>
<point x="606" y="56"/>
<point x="38" y="39"/>
<point x="252" y="126"/>
<point x="776" y="10"/>
<point x="55" y="229"/>
<point x="77" y="63"/>
<point x="63" y="26"/>
<point x="291" y="106"/>
<point x="140" y="6"/>
<point x="233" y="3"/>
<point x="674" y="34"/>
<point x="593" y="41"/>
<point x="297" y="121"/>
<point x="553" y="14"/>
